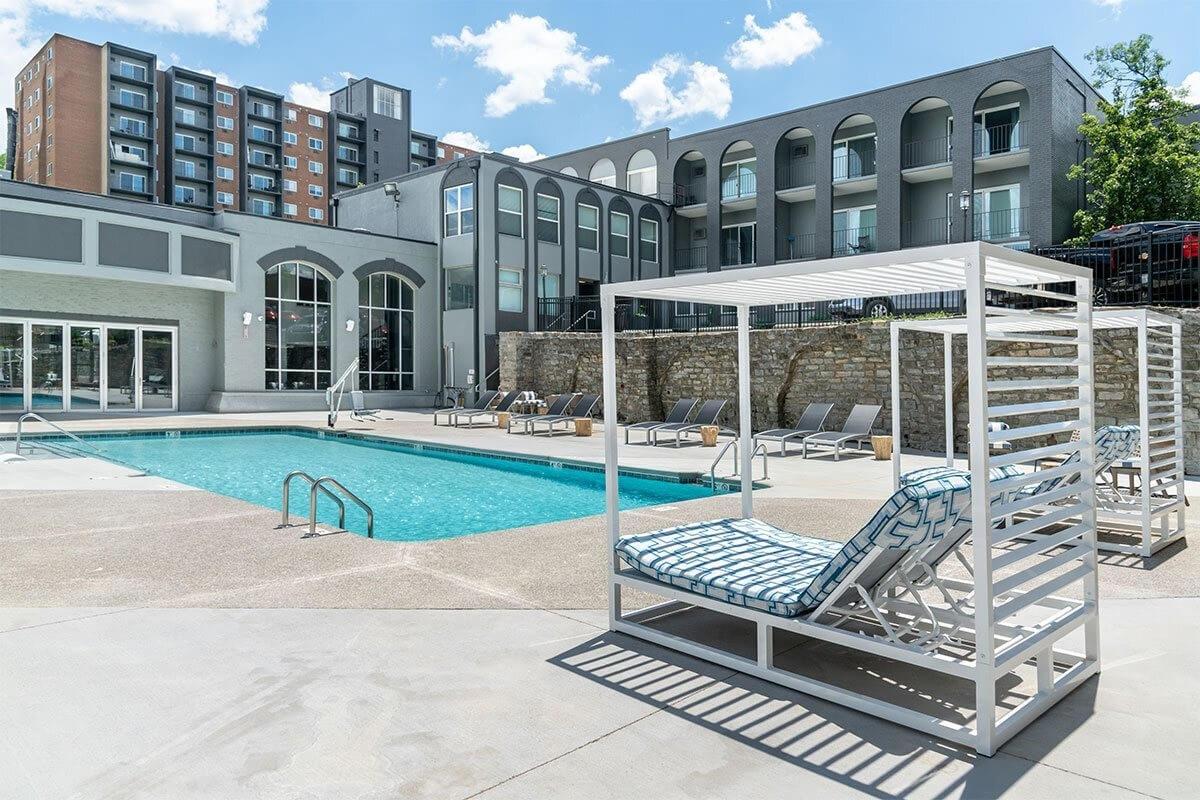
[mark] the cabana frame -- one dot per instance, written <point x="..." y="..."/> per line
<point x="1017" y="620"/>
<point x="1157" y="517"/>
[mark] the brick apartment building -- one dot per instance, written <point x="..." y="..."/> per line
<point x="106" y="119"/>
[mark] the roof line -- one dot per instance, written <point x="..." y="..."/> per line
<point x="667" y="130"/>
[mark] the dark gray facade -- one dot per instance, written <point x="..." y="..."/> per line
<point x="261" y="151"/>
<point x="131" y="122"/>
<point x="386" y="112"/>
<point x="189" y="117"/>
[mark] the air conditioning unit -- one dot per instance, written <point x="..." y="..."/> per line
<point x="699" y="234"/>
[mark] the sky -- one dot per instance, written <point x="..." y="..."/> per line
<point x="547" y="77"/>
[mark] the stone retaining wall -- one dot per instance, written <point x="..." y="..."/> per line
<point x="842" y="365"/>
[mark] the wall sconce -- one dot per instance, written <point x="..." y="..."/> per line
<point x="349" y="326"/>
<point x="247" y="317"/>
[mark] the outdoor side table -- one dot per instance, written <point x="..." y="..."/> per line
<point x="583" y="426"/>
<point x="882" y="445"/>
<point x="708" y="435"/>
<point x="502" y="418"/>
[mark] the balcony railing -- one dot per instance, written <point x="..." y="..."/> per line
<point x="796" y="246"/>
<point x="796" y="173"/>
<point x="691" y="193"/>
<point x="266" y="137"/>
<point x="739" y="186"/>
<point x="919" y="232"/>
<point x="1007" y="223"/>
<point x="849" y="241"/>
<point x="691" y="258"/>
<point x="737" y="254"/>
<point x="182" y="170"/>
<point x="132" y="130"/>
<point x="997" y="139"/>
<point x="263" y="161"/>
<point x="925" y="152"/>
<point x="859" y="163"/>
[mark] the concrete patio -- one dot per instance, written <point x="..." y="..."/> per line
<point x="161" y="641"/>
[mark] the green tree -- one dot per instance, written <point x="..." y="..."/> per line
<point x="1143" y="163"/>
<point x="3" y="159"/>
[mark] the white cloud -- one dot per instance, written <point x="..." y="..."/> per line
<point x="1190" y="88"/>
<point x="530" y="56"/>
<point x="347" y="76"/>
<point x="466" y="139"/>
<point x="777" y="45"/>
<point x="309" y="94"/>
<point x="1115" y="5"/>
<point x="654" y="100"/>
<point x="523" y="152"/>
<point x="240" y="21"/>
<point x="219" y="77"/>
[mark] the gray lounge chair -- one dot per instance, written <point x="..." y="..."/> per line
<point x="484" y="401"/>
<point x="708" y="414"/>
<point x="679" y="413"/>
<point x="557" y="408"/>
<point x="583" y="408"/>
<point x="471" y="415"/>
<point x="810" y="422"/>
<point x="358" y="409"/>
<point x="857" y="429"/>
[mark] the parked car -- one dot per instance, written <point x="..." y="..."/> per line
<point x="897" y="305"/>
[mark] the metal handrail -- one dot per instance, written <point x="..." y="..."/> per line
<point x="586" y="315"/>
<point x="333" y="395"/>
<point x="287" y="485"/>
<point x="312" y="506"/>
<point x="712" y="470"/>
<point x="31" y="415"/>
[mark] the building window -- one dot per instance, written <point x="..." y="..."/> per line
<point x="460" y="288"/>
<point x="261" y="109"/>
<point x="130" y="181"/>
<point x="316" y="190"/>
<point x="459" y="211"/>
<point x="50" y="169"/>
<point x="185" y="115"/>
<point x="185" y="141"/>
<point x="290" y="114"/>
<point x="224" y="98"/>
<point x="225" y="173"/>
<point x="347" y="153"/>
<point x="511" y="295"/>
<point x="134" y="127"/>
<point x="854" y="230"/>
<point x="316" y="167"/>
<point x="348" y="176"/>
<point x="618" y="239"/>
<point x="441" y="152"/>
<point x="261" y="134"/>
<point x="135" y="72"/>
<point x="315" y="121"/>
<point x="225" y="148"/>
<point x="185" y="90"/>
<point x="641" y="175"/>
<point x="49" y="82"/>
<point x="587" y="229"/>
<point x="289" y="162"/>
<point x="289" y="137"/>
<point x="264" y="208"/>
<point x="49" y="140"/>
<point x="128" y="97"/>
<point x="738" y="244"/>
<point x="225" y="198"/>
<point x="347" y="130"/>
<point x="316" y="144"/>
<point x="263" y="183"/>
<point x="648" y="240"/>
<point x="316" y="214"/>
<point x="385" y="333"/>
<point x="299" y="329"/>
<point x="388" y="103"/>
<point x="547" y="224"/>
<point x="185" y="194"/>
<point x="510" y="211"/>
<point x="50" y="111"/>
<point x="289" y="185"/>
<point x="185" y="169"/>
<point x="289" y="209"/>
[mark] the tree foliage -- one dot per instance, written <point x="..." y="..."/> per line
<point x="1143" y="162"/>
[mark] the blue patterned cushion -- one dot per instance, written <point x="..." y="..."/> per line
<point x="1113" y="443"/>
<point x="925" y="473"/>
<point x="750" y="563"/>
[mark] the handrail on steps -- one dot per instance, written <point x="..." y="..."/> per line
<point x="31" y="415"/>
<point x="712" y="470"/>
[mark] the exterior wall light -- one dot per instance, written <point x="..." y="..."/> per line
<point x="349" y="326"/>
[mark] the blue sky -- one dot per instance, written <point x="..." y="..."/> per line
<point x="552" y="76"/>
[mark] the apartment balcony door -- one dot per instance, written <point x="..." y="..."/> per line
<point x="854" y="231"/>
<point x="998" y="130"/>
<point x="997" y="212"/>
<point x="738" y="244"/>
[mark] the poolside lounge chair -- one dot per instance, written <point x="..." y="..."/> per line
<point x="484" y="401"/>
<point x="557" y="408"/>
<point x="749" y="563"/>
<point x="708" y="414"/>
<point x="469" y="416"/>
<point x="810" y="422"/>
<point x="358" y="409"/>
<point x="583" y="408"/>
<point x="857" y="429"/>
<point x="679" y="414"/>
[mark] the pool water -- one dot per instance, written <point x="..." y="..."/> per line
<point x="415" y="494"/>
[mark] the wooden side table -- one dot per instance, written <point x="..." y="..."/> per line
<point x="708" y="435"/>
<point x="583" y="426"/>
<point x="882" y="445"/>
<point x="502" y="418"/>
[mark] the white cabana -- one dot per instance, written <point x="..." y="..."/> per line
<point x="1008" y="619"/>
<point x="1138" y="523"/>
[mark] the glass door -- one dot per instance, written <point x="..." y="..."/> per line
<point x="85" y="368"/>
<point x="12" y="366"/>
<point x="158" y="370"/>
<point x="120" y="362"/>
<point x="46" y="367"/>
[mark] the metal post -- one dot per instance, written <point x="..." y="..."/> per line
<point x="948" y="356"/>
<point x="1144" y="422"/>
<point x="895" y="405"/>
<point x="611" y="489"/>
<point x="746" y="455"/>
<point x="1087" y="457"/>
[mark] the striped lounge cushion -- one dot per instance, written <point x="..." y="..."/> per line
<point x="750" y="563"/>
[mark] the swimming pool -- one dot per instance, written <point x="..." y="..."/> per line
<point x="416" y="494"/>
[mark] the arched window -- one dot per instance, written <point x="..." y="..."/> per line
<point x="604" y="172"/>
<point x="385" y="333"/>
<point x="569" y="171"/>
<point x="641" y="175"/>
<point x="299" y="333"/>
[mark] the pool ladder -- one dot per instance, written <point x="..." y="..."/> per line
<point x="31" y="415"/>
<point x="318" y="485"/>
<point x="759" y="449"/>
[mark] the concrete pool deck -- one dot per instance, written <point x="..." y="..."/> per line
<point x="161" y="641"/>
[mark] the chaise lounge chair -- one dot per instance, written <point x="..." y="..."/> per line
<point x="470" y="415"/>
<point x="857" y="429"/>
<point x="484" y="401"/>
<point x="810" y="422"/>
<point x="679" y="414"/>
<point x="583" y="408"/>
<point x="557" y="408"/>
<point x="708" y="414"/>
<point x="358" y="409"/>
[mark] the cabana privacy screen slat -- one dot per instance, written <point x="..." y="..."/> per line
<point x="1008" y="618"/>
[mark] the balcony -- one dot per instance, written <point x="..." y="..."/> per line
<point x="922" y="232"/>
<point x="1002" y="225"/>
<point x="188" y="171"/>
<point x="261" y="110"/>
<point x="851" y="241"/>
<point x="1001" y="147"/>
<point x="796" y="247"/>
<point x="690" y="198"/>
<point x="924" y="160"/>
<point x="795" y="180"/>
<point x="263" y="137"/>
<point x="854" y="170"/>
<point x="739" y="190"/>
<point x="737" y="254"/>
<point x="137" y="131"/>
<point x="347" y="131"/>
<point x="691" y="258"/>
<point x="259" y="160"/>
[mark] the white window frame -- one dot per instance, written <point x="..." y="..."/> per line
<point x="289" y="137"/>
<point x="291" y="162"/>
<point x="596" y="230"/>
<point x="290" y="114"/>
<point x="315" y="121"/>
<point x="185" y="190"/>
<point x="458" y="210"/>
<point x="224" y="98"/>
<point x="627" y="236"/>
<point x="289" y="209"/>
<point x="132" y="68"/>
<point x="347" y="175"/>
<point x="224" y="123"/>
<point x="383" y="97"/>
<point x="258" y="202"/>
<point x="316" y="190"/>
<point x="557" y="217"/>
<point x="981" y="203"/>
<point x="316" y="214"/>
<point x="639" y="172"/>
<point x="225" y="148"/>
<point x="520" y="213"/>
<point x="316" y="145"/>
<point x="519" y="286"/>
<point x="657" y="241"/>
<point x="134" y="178"/>
<point x="187" y="115"/>
<point x="316" y="167"/>
<point x="731" y="226"/>
<point x="225" y="198"/>
<point x="289" y="185"/>
<point x="844" y="140"/>
<point x="224" y="173"/>
<point x="134" y="93"/>
<point x="184" y="137"/>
